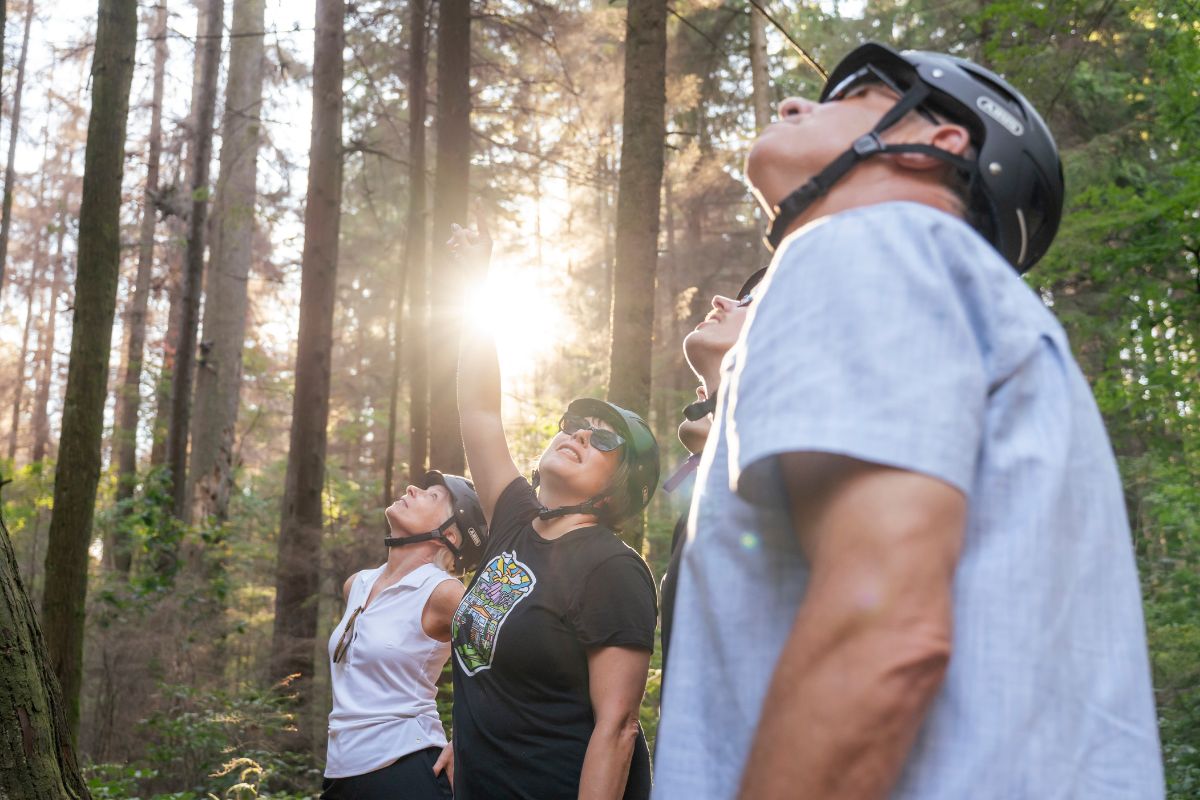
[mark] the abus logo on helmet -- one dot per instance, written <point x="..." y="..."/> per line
<point x="990" y="107"/>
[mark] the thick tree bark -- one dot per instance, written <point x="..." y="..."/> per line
<point x="219" y="377"/>
<point x="13" y="131"/>
<point x="417" y="355"/>
<point x="297" y="567"/>
<point x="99" y="245"/>
<point x="449" y="206"/>
<point x="760" y="81"/>
<point x="129" y="401"/>
<point x="643" y="131"/>
<point x="39" y="762"/>
<point x="185" y="350"/>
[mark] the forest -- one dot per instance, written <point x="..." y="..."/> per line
<point x="229" y="315"/>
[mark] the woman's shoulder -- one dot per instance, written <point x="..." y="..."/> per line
<point x="360" y="577"/>
<point x="604" y="549"/>
<point x="516" y="507"/>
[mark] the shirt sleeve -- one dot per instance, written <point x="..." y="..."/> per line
<point x="617" y="605"/>
<point x="864" y="343"/>
<point x="516" y="507"/>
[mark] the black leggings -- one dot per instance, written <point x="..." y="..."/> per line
<point x="407" y="778"/>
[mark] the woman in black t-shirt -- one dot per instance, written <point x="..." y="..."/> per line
<point x="552" y="642"/>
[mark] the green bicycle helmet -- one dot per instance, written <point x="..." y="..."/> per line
<point x="639" y="454"/>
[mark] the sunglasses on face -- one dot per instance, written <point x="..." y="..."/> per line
<point x="343" y="645"/>
<point x="602" y="439"/>
<point x="868" y="76"/>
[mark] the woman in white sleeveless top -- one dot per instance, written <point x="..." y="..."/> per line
<point x="385" y="737"/>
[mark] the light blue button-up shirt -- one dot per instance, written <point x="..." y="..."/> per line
<point x="896" y="335"/>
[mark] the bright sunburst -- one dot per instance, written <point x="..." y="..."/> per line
<point x="522" y="311"/>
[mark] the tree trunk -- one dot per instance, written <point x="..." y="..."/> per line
<point x="162" y="387"/>
<point x="185" y="350"/>
<point x="760" y="80"/>
<point x="35" y="277"/>
<point x="640" y="182"/>
<point x="41" y="419"/>
<point x="219" y="377"/>
<point x="449" y="205"/>
<point x="642" y="135"/>
<point x="297" y="573"/>
<point x="40" y="762"/>
<point x="129" y="400"/>
<point x="417" y="362"/>
<point x="19" y="384"/>
<point x="99" y="248"/>
<point x="13" y="131"/>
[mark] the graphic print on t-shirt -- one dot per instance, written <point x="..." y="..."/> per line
<point x="502" y="583"/>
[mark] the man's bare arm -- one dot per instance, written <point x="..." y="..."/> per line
<point x="870" y="645"/>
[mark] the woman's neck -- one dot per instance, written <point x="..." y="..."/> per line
<point x="559" y="526"/>
<point x="405" y="558"/>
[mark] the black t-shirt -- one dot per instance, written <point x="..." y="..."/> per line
<point x="522" y="712"/>
<point x="670" y="584"/>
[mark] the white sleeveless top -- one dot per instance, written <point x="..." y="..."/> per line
<point x="385" y="685"/>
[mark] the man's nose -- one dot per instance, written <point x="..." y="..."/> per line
<point x="583" y="436"/>
<point x="722" y="303"/>
<point x="794" y="106"/>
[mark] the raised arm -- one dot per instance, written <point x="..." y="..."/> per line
<point x="870" y="645"/>
<point x="492" y="468"/>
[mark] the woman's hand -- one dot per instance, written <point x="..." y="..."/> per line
<point x="472" y="248"/>
<point x="445" y="761"/>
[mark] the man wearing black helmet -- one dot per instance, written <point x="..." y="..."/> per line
<point x="909" y="571"/>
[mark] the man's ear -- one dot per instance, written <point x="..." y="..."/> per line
<point x="952" y="138"/>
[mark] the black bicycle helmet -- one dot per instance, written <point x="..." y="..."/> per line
<point x="466" y="515"/>
<point x="639" y="453"/>
<point x="1016" y="181"/>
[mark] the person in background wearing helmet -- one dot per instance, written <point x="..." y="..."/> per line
<point x="552" y="641"/>
<point x="704" y="349"/>
<point x="910" y="573"/>
<point x="385" y="736"/>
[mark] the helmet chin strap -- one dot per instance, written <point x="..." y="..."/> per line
<point x="436" y="535"/>
<point x="796" y="203"/>
<point x="591" y="506"/>
<point x="700" y="409"/>
<point x="587" y="507"/>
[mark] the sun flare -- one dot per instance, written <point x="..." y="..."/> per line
<point x="523" y="312"/>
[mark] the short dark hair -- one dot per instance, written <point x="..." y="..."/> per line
<point x="618" y="505"/>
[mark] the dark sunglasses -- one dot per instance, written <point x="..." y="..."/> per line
<point x="602" y="439"/>
<point x="869" y="75"/>
<point x="343" y="645"/>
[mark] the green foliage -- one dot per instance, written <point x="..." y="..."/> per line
<point x="227" y="744"/>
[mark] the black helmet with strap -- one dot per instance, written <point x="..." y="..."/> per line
<point x="639" y="455"/>
<point x="466" y="514"/>
<point x="1016" y="180"/>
